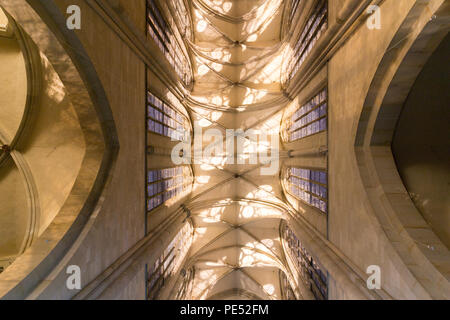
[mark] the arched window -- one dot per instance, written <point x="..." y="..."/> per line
<point x="185" y="290"/>
<point x="312" y="31"/>
<point x="182" y="17"/>
<point x="166" y="184"/>
<point x="309" y="186"/>
<point x="311" y="271"/>
<point x="287" y="292"/>
<point x="308" y="119"/>
<point x="163" y="36"/>
<point x="169" y="262"/>
<point x="166" y="119"/>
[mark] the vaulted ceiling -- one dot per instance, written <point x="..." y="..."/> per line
<point x="238" y="50"/>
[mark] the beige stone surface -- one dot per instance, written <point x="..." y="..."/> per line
<point x="236" y="212"/>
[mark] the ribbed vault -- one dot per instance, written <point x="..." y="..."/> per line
<point x="236" y="211"/>
<point x="42" y="144"/>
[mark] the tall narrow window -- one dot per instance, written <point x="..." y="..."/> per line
<point x="163" y="36"/>
<point x="309" y="186"/>
<point x="182" y="17"/>
<point x="185" y="290"/>
<point x="312" y="31"/>
<point x="311" y="272"/>
<point x="165" y="119"/>
<point x="287" y="292"/>
<point x="169" y="261"/>
<point x="166" y="184"/>
<point x="309" y="119"/>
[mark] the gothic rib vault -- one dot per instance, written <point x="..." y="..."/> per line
<point x="237" y="248"/>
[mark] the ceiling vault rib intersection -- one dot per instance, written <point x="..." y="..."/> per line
<point x="246" y="17"/>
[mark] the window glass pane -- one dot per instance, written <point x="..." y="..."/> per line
<point x="165" y="184"/>
<point x="312" y="31"/>
<point x="163" y="36"/>
<point x="309" y="186"/>
<point x="166" y="120"/>
<point x="308" y="119"/>
<point x="169" y="261"/>
<point x="311" y="272"/>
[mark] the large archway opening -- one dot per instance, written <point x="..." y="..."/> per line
<point x="383" y="126"/>
<point x="420" y="145"/>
